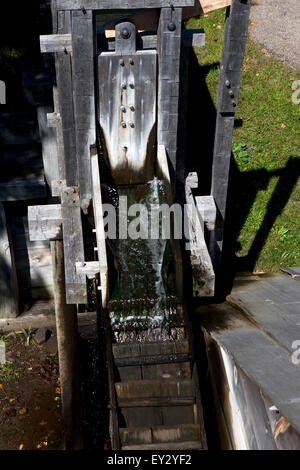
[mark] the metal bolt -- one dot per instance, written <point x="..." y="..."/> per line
<point x="123" y="109"/>
<point x="131" y="124"/>
<point x="124" y="86"/>
<point x="131" y="85"/>
<point x="231" y="93"/>
<point x="131" y="61"/>
<point x="171" y="26"/>
<point x="233" y="103"/>
<point x="227" y="83"/>
<point x="125" y="33"/>
<point x="122" y="63"/>
<point x="132" y="107"/>
<point x="123" y="124"/>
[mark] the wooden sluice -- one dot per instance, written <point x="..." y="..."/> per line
<point x="117" y="108"/>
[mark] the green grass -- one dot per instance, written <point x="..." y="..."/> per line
<point x="265" y="147"/>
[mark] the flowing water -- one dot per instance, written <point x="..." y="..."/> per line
<point x="144" y="295"/>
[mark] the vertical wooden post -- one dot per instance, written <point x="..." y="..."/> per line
<point x="9" y="298"/>
<point x="67" y="334"/>
<point x="235" y="36"/>
<point x="169" y="47"/>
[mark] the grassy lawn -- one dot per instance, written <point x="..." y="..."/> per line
<point x="266" y="149"/>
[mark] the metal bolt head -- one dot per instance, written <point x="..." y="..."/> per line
<point x="131" y="61"/>
<point x="227" y="83"/>
<point x="233" y="103"/>
<point x="123" y="109"/>
<point x="123" y="124"/>
<point x="171" y="26"/>
<point x="125" y="33"/>
<point x="122" y="63"/>
<point x="131" y="107"/>
<point x="231" y="93"/>
<point x="131" y="124"/>
<point x="124" y="86"/>
<point x="131" y="84"/>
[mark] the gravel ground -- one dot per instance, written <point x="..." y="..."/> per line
<point x="276" y="28"/>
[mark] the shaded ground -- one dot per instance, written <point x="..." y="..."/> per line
<point x="275" y="25"/>
<point x="30" y="416"/>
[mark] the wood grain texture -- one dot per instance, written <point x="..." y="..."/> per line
<point x="235" y="35"/>
<point x="45" y="222"/>
<point x="168" y="83"/>
<point x="128" y="132"/>
<point x="84" y="50"/>
<point x="120" y="4"/>
<point x="76" y="290"/>
<point x="202" y="269"/>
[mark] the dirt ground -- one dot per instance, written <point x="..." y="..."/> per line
<point x="30" y="415"/>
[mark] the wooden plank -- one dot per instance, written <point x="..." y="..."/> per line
<point x="63" y="104"/>
<point x="207" y="209"/>
<point x="49" y="145"/>
<point x="168" y="83"/>
<point x="76" y="290"/>
<point x="33" y="261"/>
<point x="211" y="5"/>
<point x="56" y="43"/>
<point x="84" y="50"/>
<point x="150" y="360"/>
<point x="202" y="269"/>
<point x="148" y="39"/>
<point x="235" y="35"/>
<point x="268" y="364"/>
<point x="159" y="434"/>
<point x="155" y="402"/>
<point x="193" y="445"/>
<point x="154" y="389"/>
<point x="273" y="303"/>
<point x="100" y="232"/>
<point x="9" y="302"/>
<point x="127" y="94"/>
<point x="119" y="4"/>
<point x="22" y="190"/>
<point x="45" y="222"/>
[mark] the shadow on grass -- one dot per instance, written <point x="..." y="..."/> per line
<point x="243" y="185"/>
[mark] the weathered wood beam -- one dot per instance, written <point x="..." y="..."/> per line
<point x="146" y="40"/>
<point x="119" y="4"/>
<point x="9" y="301"/>
<point x="100" y="232"/>
<point x="235" y="36"/>
<point x="84" y="51"/>
<point x="76" y="290"/>
<point x="56" y="43"/>
<point x="202" y="269"/>
<point x="169" y="42"/>
<point x="63" y="104"/>
<point x="207" y="208"/>
<point x="45" y="222"/>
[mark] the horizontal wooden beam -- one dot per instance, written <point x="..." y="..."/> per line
<point x="119" y="4"/>
<point x="56" y="43"/>
<point x="148" y="40"/>
<point x="45" y="222"/>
